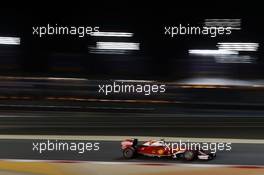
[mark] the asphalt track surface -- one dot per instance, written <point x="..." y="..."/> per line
<point x="241" y="154"/>
<point x="200" y="125"/>
<point x="207" y="125"/>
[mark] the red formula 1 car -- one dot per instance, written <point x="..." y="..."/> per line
<point x="159" y="148"/>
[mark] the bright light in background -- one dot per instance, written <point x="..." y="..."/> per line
<point x="235" y="24"/>
<point x="112" y="34"/>
<point x="238" y="46"/>
<point x="230" y="52"/>
<point x="213" y="52"/>
<point x="216" y="81"/>
<point x="117" y="46"/>
<point x="234" y="59"/>
<point x="103" y="47"/>
<point x="10" y="40"/>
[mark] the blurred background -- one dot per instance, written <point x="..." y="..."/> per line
<point x="51" y="82"/>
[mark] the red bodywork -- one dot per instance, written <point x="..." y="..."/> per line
<point x="148" y="150"/>
<point x="155" y="148"/>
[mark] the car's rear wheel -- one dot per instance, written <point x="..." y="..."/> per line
<point x="211" y="156"/>
<point x="189" y="155"/>
<point x="129" y="153"/>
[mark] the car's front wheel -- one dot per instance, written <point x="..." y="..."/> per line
<point x="129" y="153"/>
<point x="189" y="155"/>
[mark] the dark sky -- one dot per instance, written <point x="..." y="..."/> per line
<point x="158" y="52"/>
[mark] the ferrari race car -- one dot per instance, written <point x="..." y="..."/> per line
<point x="159" y="148"/>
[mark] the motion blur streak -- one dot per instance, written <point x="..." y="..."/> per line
<point x="120" y="168"/>
<point x="136" y="81"/>
<point x="40" y="78"/>
<point x="213" y="52"/>
<point x="112" y="34"/>
<point x="10" y="40"/>
<point x="235" y="24"/>
<point x="117" y="46"/>
<point x="238" y="46"/>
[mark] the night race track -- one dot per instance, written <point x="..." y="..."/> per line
<point x="216" y="125"/>
<point x="241" y="154"/>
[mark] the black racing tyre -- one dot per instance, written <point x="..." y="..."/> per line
<point x="211" y="156"/>
<point x="129" y="153"/>
<point x="189" y="155"/>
